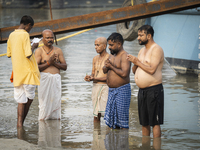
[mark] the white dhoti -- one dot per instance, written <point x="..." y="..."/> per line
<point x="99" y="98"/>
<point x="49" y="96"/>
<point x="24" y="92"/>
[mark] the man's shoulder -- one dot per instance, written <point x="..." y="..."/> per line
<point x="107" y="55"/>
<point x="57" y="49"/>
<point x="123" y="53"/>
<point x="157" y="47"/>
<point x="95" y="57"/>
<point x="19" y="33"/>
<point x="38" y="50"/>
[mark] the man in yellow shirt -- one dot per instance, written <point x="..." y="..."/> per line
<point x="26" y="74"/>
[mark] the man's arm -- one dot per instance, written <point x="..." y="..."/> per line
<point x="125" y="67"/>
<point x="150" y="67"/>
<point x="129" y="57"/>
<point x="8" y="48"/>
<point x="62" y="63"/>
<point x="93" y="66"/>
<point x="105" y="69"/>
<point x="134" y="68"/>
<point x="91" y="77"/>
<point x="99" y="79"/>
<point x="33" y="47"/>
<point x="88" y="77"/>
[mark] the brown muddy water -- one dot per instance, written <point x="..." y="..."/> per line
<point x="181" y="129"/>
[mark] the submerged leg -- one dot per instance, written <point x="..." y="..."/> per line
<point x="157" y="143"/>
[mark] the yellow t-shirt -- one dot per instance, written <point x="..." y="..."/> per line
<point x="25" y="70"/>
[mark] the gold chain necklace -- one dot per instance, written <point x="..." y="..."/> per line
<point x="49" y="51"/>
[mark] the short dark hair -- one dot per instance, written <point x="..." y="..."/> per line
<point x="116" y="37"/>
<point x="148" y="29"/>
<point x="26" y="20"/>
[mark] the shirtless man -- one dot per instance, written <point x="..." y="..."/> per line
<point x="50" y="61"/>
<point x="118" y="81"/>
<point x="100" y="88"/>
<point x="148" y="77"/>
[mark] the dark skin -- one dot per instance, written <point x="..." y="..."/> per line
<point x="117" y="66"/>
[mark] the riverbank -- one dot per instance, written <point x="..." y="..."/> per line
<point x="17" y="144"/>
<point x="10" y="144"/>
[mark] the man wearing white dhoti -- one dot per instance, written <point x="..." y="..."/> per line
<point x="50" y="61"/>
<point x="100" y="88"/>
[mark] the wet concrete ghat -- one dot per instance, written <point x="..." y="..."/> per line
<point x="106" y="17"/>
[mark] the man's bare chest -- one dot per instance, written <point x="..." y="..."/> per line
<point x="116" y="62"/>
<point x="145" y="58"/>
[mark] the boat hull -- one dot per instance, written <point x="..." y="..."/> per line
<point x="183" y="66"/>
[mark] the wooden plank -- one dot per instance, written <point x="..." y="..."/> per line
<point x="106" y="17"/>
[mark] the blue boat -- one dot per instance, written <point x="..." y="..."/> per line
<point x="177" y="33"/>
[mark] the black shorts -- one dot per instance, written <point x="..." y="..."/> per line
<point x="151" y="105"/>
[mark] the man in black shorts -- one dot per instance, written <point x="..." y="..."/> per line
<point x="150" y="105"/>
<point x="148" y="77"/>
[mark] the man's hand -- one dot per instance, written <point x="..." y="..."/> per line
<point x="56" y="57"/>
<point x="132" y="58"/>
<point x="108" y="64"/>
<point x="88" y="78"/>
<point x="34" y="46"/>
<point x="52" y="59"/>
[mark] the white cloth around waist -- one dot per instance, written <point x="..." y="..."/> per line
<point x="49" y="96"/>
<point x="24" y="92"/>
<point x="99" y="98"/>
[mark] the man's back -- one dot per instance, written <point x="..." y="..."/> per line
<point x="19" y="48"/>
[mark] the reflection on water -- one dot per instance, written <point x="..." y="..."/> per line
<point x="49" y="134"/>
<point x="99" y="134"/>
<point x="117" y="140"/>
<point x="181" y="129"/>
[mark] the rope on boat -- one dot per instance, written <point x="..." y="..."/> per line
<point x="2" y="54"/>
<point x="60" y="39"/>
<point x="132" y="2"/>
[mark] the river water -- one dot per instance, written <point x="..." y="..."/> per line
<point x="76" y="130"/>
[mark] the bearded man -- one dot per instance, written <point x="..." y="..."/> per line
<point x="148" y="77"/>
